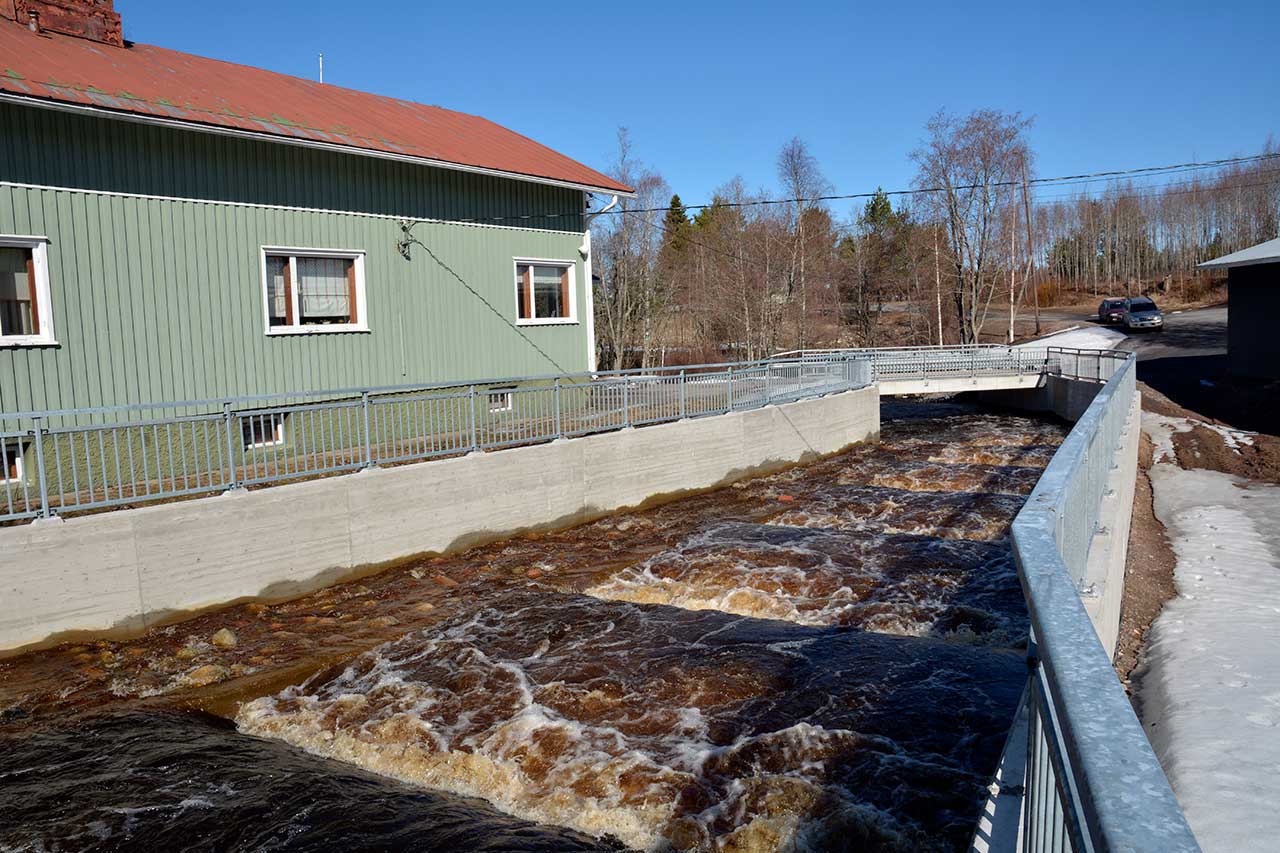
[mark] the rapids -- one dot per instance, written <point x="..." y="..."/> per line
<point x="824" y="658"/>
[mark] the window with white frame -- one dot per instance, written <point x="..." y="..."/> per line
<point x="313" y="290"/>
<point x="545" y="292"/>
<point x="500" y="398"/>
<point x="25" y="314"/>
<point x="262" y="430"/>
<point x="11" y="461"/>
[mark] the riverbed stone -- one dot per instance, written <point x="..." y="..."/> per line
<point x="224" y="639"/>
<point x="207" y="674"/>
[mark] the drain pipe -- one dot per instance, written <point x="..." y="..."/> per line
<point x="589" y="289"/>
<point x="585" y="248"/>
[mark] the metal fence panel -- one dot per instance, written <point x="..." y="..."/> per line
<point x="75" y="460"/>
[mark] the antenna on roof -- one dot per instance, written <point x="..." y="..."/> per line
<point x="322" y="67"/>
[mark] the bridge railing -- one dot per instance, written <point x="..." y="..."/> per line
<point x="1092" y="781"/>
<point x="73" y="460"/>
<point x="974" y="360"/>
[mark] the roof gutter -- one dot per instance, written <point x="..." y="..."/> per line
<point x="119" y="115"/>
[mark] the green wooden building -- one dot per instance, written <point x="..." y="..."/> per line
<point x="176" y="228"/>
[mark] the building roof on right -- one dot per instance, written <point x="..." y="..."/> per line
<point x="1263" y="253"/>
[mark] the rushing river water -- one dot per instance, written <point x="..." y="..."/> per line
<point x="825" y="658"/>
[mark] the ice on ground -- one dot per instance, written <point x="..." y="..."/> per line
<point x="1162" y="429"/>
<point x="1210" y="679"/>
<point x="1085" y="337"/>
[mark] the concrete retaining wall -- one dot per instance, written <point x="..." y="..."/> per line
<point x="1067" y="398"/>
<point x="120" y="572"/>
<point x="1104" y="572"/>
<point x="1104" y="580"/>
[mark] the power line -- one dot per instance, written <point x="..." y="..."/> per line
<point x="1060" y="180"/>
<point x="406" y="227"/>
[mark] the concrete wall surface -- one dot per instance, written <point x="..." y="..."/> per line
<point x="1104" y="573"/>
<point x="122" y="571"/>
<point x="1104" y="583"/>
<point x="1065" y="397"/>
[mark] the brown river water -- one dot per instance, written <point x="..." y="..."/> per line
<point x="826" y="658"/>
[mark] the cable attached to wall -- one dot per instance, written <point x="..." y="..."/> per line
<point x="408" y="239"/>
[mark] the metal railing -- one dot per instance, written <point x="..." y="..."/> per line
<point x="64" y="461"/>
<point x="1092" y="781"/>
<point x="973" y="360"/>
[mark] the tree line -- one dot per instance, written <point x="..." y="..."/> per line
<point x="742" y="279"/>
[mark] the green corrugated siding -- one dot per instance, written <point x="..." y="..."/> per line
<point x="161" y="299"/>
<point x="46" y="147"/>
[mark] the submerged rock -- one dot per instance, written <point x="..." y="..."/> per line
<point x="224" y="639"/>
<point x="202" y="675"/>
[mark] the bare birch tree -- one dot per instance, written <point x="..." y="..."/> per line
<point x="972" y="165"/>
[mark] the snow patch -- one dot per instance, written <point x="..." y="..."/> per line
<point x="1087" y="337"/>
<point x="1210" y="683"/>
<point x="1162" y="429"/>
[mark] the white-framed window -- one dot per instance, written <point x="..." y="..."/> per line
<point x="11" y="451"/>
<point x="545" y="292"/>
<point x="26" y="316"/>
<point x="305" y="291"/>
<point x="500" y="398"/>
<point x="262" y="430"/>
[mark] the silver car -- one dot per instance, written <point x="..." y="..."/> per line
<point x="1141" y="313"/>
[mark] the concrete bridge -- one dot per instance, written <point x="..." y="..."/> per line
<point x="906" y="371"/>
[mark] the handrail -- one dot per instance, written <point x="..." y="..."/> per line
<point x="1093" y="781"/>
<point x="71" y="460"/>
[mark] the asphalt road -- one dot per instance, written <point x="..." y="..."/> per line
<point x="1198" y="334"/>
<point x="1187" y="362"/>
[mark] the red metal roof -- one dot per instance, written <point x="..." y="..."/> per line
<point x="154" y="81"/>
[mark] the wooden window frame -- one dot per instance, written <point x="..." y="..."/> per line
<point x="293" y="324"/>
<point x="568" y="291"/>
<point x="38" y="282"/>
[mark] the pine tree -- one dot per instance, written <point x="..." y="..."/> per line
<point x="676" y="225"/>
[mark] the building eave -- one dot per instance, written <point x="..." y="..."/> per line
<point x="198" y="127"/>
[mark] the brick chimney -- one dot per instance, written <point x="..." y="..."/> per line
<point x="95" y="20"/>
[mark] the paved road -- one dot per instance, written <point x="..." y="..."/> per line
<point x="1190" y="334"/>
<point x="1187" y="362"/>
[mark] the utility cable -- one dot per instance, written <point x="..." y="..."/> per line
<point x="406" y="228"/>
<point x="1084" y="177"/>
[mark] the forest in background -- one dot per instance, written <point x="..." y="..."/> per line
<point x="756" y="272"/>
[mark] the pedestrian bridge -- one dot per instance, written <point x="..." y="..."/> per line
<point x="903" y="371"/>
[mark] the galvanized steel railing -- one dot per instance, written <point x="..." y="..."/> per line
<point x="975" y="360"/>
<point x="58" y="462"/>
<point x="1092" y="781"/>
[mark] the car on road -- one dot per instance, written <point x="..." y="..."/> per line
<point x="1111" y="311"/>
<point x="1141" y="313"/>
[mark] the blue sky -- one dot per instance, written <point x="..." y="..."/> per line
<point x="710" y="90"/>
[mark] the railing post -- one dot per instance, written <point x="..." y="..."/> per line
<point x="768" y="383"/>
<point x="472" y="443"/>
<point x="44" y="483"/>
<point x="683" y="410"/>
<point x="368" y="438"/>
<point x="231" y="480"/>
<point x="730" y="389"/>
<point x="559" y="425"/>
<point x="626" y="400"/>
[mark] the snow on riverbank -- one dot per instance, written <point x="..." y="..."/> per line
<point x="1083" y="337"/>
<point x="1210" y="677"/>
